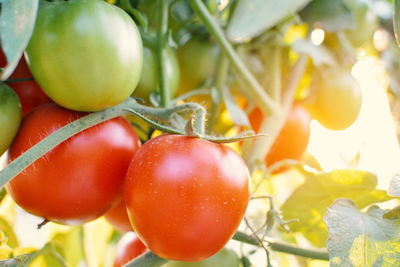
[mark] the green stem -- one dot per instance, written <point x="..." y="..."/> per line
<point x="318" y="254"/>
<point x="148" y="259"/>
<point x="162" y="35"/>
<point x="256" y="91"/>
<point x="276" y="72"/>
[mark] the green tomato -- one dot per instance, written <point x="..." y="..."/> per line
<point x="10" y="116"/>
<point x="197" y="61"/>
<point x="365" y="22"/>
<point x="224" y="258"/>
<point x="337" y="100"/>
<point x="86" y="55"/>
<point x="148" y="82"/>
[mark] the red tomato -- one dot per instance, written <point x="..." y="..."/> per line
<point x="81" y="178"/>
<point x="186" y="196"/>
<point x="118" y="217"/>
<point x="292" y="141"/>
<point x="128" y="248"/>
<point x="29" y="92"/>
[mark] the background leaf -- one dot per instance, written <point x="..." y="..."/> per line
<point x="252" y="17"/>
<point x="396" y="20"/>
<point x="394" y="187"/>
<point x="318" y="53"/>
<point x="332" y="15"/>
<point x="361" y="239"/>
<point x="16" y="26"/>
<point x="310" y="201"/>
<point x="238" y="115"/>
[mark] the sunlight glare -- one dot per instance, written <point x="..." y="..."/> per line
<point x="317" y="36"/>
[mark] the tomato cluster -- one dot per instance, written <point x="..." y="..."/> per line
<point x="86" y="63"/>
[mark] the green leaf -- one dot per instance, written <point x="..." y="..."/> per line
<point x="361" y="239"/>
<point x="17" y="21"/>
<point x="310" y="201"/>
<point x="19" y="261"/>
<point x="70" y="245"/>
<point x="332" y="15"/>
<point x="51" y="256"/>
<point x="394" y="187"/>
<point x="252" y="17"/>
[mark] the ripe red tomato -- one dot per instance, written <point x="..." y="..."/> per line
<point x="292" y="140"/>
<point x="118" y="217"/>
<point x="81" y="178"/>
<point x="186" y="196"/>
<point x="128" y="248"/>
<point x="29" y="92"/>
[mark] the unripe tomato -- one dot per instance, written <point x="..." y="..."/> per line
<point x="292" y="140"/>
<point x="128" y="248"/>
<point x="118" y="217"/>
<point x="366" y="22"/>
<point x="79" y="179"/>
<point x="148" y="82"/>
<point x="186" y="196"/>
<point x="224" y="258"/>
<point x="86" y="55"/>
<point x="197" y="62"/>
<point x="337" y="100"/>
<point x="10" y="116"/>
<point x="29" y="92"/>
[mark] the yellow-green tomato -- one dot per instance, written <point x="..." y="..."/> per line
<point x="10" y="116"/>
<point x="148" y="82"/>
<point x="197" y="61"/>
<point x="85" y="54"/>
<point x="337" y="101"/>
<point x="224" y="258"/>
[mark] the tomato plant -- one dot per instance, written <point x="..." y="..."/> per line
<point x="333" y="88"/>
<point x="128" y="248"/>
<point x="86" y="55"/>
<point x="197" y="62"/>
<point x="194" y="187"/>
<point x="81" y="178"/>
<point x="10" y="116"/>
<point x="118" y="216"/>
<point x="148" y="82"/>
<point x="29" y="92"/>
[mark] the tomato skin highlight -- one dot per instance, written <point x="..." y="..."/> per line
<point x="86" y="55"/>
<point x="81" y="178"/>
<point x="186" y="196"/>
<point x="118" y="217"/>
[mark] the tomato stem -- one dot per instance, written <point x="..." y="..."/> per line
<point x="256" y="91"/>
<point x="162" y="35"/>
